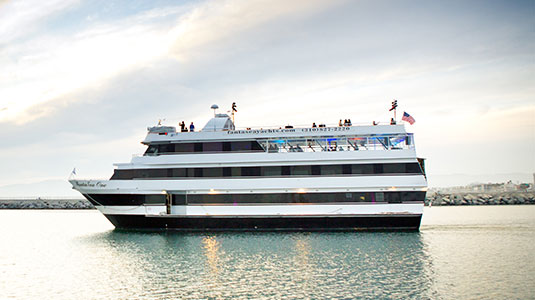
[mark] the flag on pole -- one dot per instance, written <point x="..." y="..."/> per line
<point x="408" y="118"/>
<point x="73" y="173"/>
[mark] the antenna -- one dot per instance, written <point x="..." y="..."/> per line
<point x="233" y="110"/>
<point x="214" y="107"/>
<point x="394" y="106"/>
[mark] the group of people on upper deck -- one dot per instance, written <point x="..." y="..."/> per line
<point x="347" y="122"/>
<point x="183" y="127"/>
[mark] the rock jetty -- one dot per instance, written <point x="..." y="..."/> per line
<point x="496" y="198"/>
<point x="40" y="203"/>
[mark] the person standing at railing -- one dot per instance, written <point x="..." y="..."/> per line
<point x="191" y="127"/>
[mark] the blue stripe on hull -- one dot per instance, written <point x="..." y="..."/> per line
<point x="299" y="223"/>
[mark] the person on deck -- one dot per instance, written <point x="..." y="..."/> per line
<point x="191" y="127"/>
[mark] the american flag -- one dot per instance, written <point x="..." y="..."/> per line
<point x="408" y="118"/>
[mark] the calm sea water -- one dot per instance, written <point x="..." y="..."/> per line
<point x="460" y="253"/>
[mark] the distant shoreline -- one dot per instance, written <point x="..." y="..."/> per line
<point x="433" y="199"/>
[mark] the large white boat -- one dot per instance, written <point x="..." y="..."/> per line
<point x="312" y="178"/>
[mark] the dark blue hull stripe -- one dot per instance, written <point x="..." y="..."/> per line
<point x="313" y="223"/>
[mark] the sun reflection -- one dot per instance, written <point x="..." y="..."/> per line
<point x="213" y="254"/>
<point x="211" y="251"/>
<point x="303" y="267"/>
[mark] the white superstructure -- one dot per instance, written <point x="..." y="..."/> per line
<point x="314" y="178"/>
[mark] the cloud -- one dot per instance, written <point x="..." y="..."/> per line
<point x="223" y="20"/>
<point x="21" y="18"/>
<point x="52" y="66"/>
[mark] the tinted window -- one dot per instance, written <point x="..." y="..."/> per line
<point x="251" y="171"/>
<point x="240" y="146"/>
<point x="184" y="147"/>
<point x="331" y="170"/>
<point x="155" y="199"/>
<point x="213" y="147"/>
<point x="300" y="170"/>
<point x="179" y="199"/>
<point x="394" y="168"/>
<point x="213" y="172"/>
<point x="362" y="169"/>
<point x="412" y="168"/>
<point x="271" y="171"/>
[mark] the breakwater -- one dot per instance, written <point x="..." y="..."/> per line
<point x="40" y="203"/>
<point x="495" y="198"/>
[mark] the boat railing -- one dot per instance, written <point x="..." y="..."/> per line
<point x="377" y="142"/>
<point x="344" y="143"/>
<point x="296" y="126"/>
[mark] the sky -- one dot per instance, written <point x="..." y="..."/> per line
<point x="81" y="80"/>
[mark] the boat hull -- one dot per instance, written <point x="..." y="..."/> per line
<point x="408" y="222"/>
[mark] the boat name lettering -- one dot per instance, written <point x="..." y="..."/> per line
<point x="90" y="184"/>
<point x="316" y="129"/>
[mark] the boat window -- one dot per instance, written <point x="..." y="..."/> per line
<point x="378" y="169"/>
<point x="183" y="147"/>
<point x="240" y="146"/>
<point x="390" y="142"/>
<point x="179" y="172"/>
<point x="152" y="150"/>
<point x="183" y="199"/>
<point x="270" y="171"/>
<point x="413" y="168"/>
<point x="179" y="199"/>
<point x="394" y="168"/>
<point x="213" y="147"/>
<point x="297" y="197"/>
<point x="393" y="197"/>
<point x="331" y="170"/>
<point x="155" y="199"/>
<point x="251" y="171"/>
<point x="379" y="197"/>
<point x="300" y="170"/>
<point x="213" y="172"/>
<point x="362" y="169"/>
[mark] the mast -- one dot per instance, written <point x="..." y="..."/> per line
<point x="394" y="106"/>
<point x="233" y="111"/>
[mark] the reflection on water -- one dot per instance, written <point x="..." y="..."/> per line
<point x="267" y="265"/>
<point x="459" y="253"/>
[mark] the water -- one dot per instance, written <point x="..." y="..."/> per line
<point x="460" y="253"/>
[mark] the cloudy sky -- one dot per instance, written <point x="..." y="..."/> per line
<point x="81" y="80"/>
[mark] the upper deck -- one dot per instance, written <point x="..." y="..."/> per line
<point x="261" y="133"/>
<point x="220" y="135"/>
